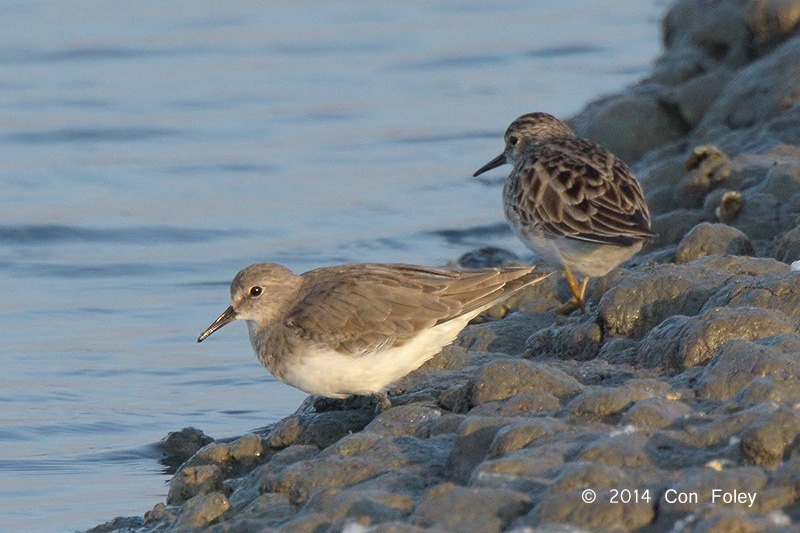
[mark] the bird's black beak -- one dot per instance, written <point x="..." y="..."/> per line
<point x="227" y="316"/>
<point x="494" y="163"/>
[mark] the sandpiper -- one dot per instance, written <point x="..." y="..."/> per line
<point x="355" y="329"/>
<point x="570" y="200"/>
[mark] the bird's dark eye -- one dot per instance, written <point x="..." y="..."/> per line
<point x="513" y="140"/>
<point x="256" y="291"/>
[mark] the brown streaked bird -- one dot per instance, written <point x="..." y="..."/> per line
<point x="357" y="328"/>
<point x="570" y="200"/>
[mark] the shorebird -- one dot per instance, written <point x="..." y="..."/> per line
<point x="355" y="329"/>
<point x="570" y="200"/>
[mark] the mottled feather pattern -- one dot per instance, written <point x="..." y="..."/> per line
<point x="571" y="187"/>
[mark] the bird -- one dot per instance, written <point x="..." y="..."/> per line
<point x="355" y="329"/>
<point x="571" y="201"/>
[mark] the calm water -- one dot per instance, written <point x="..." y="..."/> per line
<point x="152" y="149"/>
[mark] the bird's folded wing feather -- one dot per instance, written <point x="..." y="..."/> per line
<point x="592" y="197"/>
<point x="356" y="309"/>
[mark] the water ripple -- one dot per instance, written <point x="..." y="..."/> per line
<point x="82" y="135"/>
<point x="33" y="234"/>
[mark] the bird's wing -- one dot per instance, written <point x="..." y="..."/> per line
<point x="574" y="188"/>
<point x="356" y="309"/>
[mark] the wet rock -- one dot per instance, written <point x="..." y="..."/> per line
<point x="178" y="446"/>
<point x="193" y="480"/>
<point x="754" y="371"/>
<point x="202" y="510"/>
<point x="474" y="439"/>
<point x="504" y="336"/>
<point x="780" y="293"/>
<point x="373" y="505"/>
<point x="404" y="419"/>
<point x="488" y="257"/>
<point x="573" y="340"/>
<point x="127" y="523"/>
<point x="528" y="470"/>
<point x="632" y="125"/>
<point x="682" y="342"/>
<point x="646" y="297"/>
<point x="625" y="447"/>
<point x="563" y="503"/>
<point x="457" y="508"/>
<point x="356" y="458"/>
<point x="318" y="429"/>
<point x="708" y="239"/>
<point x="756" y="93"/>
<point x="766" y="442"/>
<point x="520" y="404"/>
<point x="502" y="379"/>
<point x="695" y="96"/>
<point x="656" y="412"/>
<point x="606" y="401"/>
<point x="520" y="434"/>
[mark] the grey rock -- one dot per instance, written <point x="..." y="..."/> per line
<point x="623" y="448"/>
<point x="771" y="21"/>
<point x="201" y="510"/>
<point x="601" y="402"/>
<point x="695" y="96"/>
<point x="648" y="296"/>
<point x="708" y="239"/>
<point x="766" y="442"/>
<point x="780" y="292"/>
<point x="504" y="336"/>
<point x="762" y="370"/>
<point x="630" y="125"/>
<point x="474" y="438"/>
<point x="457" y="508"/>
<point x="318" y="429"/>
<point x="658" y="412"/>
<point x="520" y="434"/>
<point x="703" y="483"/>
<point x="682" y="342"/>
<point x="404" y="419"/>
<point x="535" y="402"/>
<point x="505" y="378"/>
<point x="178" y="446"/>
<point x="193" y="480"/>
<point x="579" y="341"/>
<point x="671" y="227"/>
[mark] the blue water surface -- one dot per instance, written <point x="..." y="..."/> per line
<point x="150" y="150"/>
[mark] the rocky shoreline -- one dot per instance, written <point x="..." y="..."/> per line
<point x="674" y="400"/>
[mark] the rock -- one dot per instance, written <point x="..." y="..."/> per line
<point x="671" y="227"/>
<point x="504" y="336"/>
<point x="708" y="239"/>
<point x="318" y="429"/>
<point x="201" y="510"/>
<point x="178" y="446"/>
<point x="505" y="378"/>
<point x="457" y="508"/>
<point x="647" y="297"/>
<point x="759" y="370"/>
<point x="765" y="443"/>
<point x="695" y="96"/>
<point x="655" y="413"/>
<point x="606" y="401"/>
<point x="632" y="125"/>
<point x="534" y="402"/>
<point x="563" y="501"/>
<point x="520" y="434"/>
<point x="704" y="483"/>
<point x="574" y="340"/>
<point x="474" y="438"/>
<point x="488" y="257"/>
<point x="780" y="292"/>
<point x="623" y="448"/>
<point x="403" y="419"/>
<point x="373" y="505"/>
<point x="681" y="342"/>
<point x="193" y="480"/>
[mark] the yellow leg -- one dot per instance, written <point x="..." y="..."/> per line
<point x="578" y="293"/>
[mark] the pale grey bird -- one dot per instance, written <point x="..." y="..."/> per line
<point x="357" y="328"/>
<point x="570" y="200"/>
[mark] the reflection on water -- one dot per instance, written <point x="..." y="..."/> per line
<point x="152" y="150"/>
